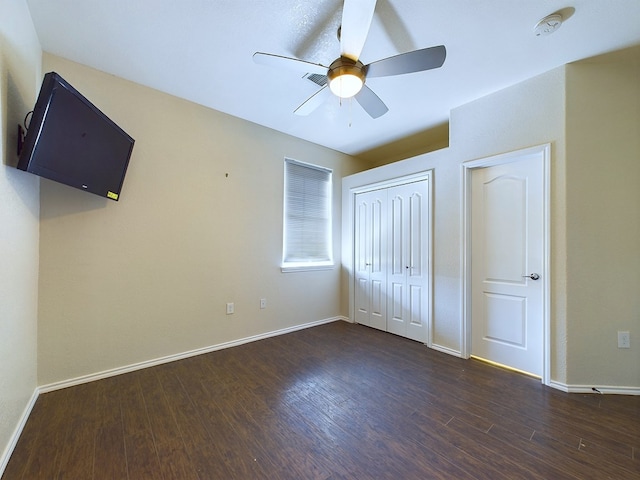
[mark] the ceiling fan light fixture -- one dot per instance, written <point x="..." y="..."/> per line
<point x="346" y="85"/>
<point x="346" y="77"/>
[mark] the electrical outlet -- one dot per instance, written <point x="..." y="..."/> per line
<point x="263" y="303"/>
<point x="624" y="340"/>
<point x="230" y="308"/>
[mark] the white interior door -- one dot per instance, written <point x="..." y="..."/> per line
<point x="408" y="261"/>
<point x="507" y="248"/>
<point x="371" y="259"/>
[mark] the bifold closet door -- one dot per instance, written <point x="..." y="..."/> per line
<point x="407" y="278"/>
<point x="371" y="259"/>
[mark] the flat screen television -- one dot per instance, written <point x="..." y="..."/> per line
<point x="69" y="140"/>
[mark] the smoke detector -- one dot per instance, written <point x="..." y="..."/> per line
<point x="548" y="25"/>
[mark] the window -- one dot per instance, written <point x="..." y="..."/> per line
<point x="307" y="216"/>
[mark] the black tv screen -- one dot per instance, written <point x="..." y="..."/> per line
<point x="69" y="140"/>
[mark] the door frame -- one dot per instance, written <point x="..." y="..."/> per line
<point x="543" y="154"/>
<point x="426" y="175"/>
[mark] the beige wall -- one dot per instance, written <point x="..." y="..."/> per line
<point x="590" y="114"/>
<point x="149" y="276"/>
<point x="146" y="277"/>
<point x="526" y="114"/>
<point x="603" y="218"/>
<point x="20" y="58"/>
<point x="446" y="309"/>
<point x="426" y="141"/>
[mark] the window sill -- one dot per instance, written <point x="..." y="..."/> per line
<point x="305" y="268"/>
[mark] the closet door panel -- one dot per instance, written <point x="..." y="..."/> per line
<point x="397" y="258"/>
<point x="361" y="269"/>
<point x="417" y="273"/>
<point x="371" y="259"/>
<point x="408" y="213"/>
<point x="392" y="259"/>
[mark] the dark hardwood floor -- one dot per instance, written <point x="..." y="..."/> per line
<point x="338" y="401"/>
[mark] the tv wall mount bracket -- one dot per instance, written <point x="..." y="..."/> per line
<point x="22" y="131"/>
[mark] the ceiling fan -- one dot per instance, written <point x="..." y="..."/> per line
<point x="347" y="75"/>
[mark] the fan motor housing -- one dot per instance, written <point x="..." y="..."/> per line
<point x="345" y="67"/>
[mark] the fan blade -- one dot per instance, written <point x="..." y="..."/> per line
<point x="313" y="102"/>
<point x="410" y="62"/>
<point x="356" y="20"/>
<point x="289" y="63"/>
<point x="371" y="102"/>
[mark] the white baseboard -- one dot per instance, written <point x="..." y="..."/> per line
<point x="447" y="350"/>
<point x="608" y="389"/>
<point x="180" y="356"/>
<point x="13" y="440"/>
<point x="4" y="459"/>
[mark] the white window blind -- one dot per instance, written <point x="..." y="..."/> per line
<point x="307" y="215"/>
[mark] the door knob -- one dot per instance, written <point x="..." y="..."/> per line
<point x="533" y="276"/>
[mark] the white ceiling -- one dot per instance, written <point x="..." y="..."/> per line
<point x="201" y="50"/>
